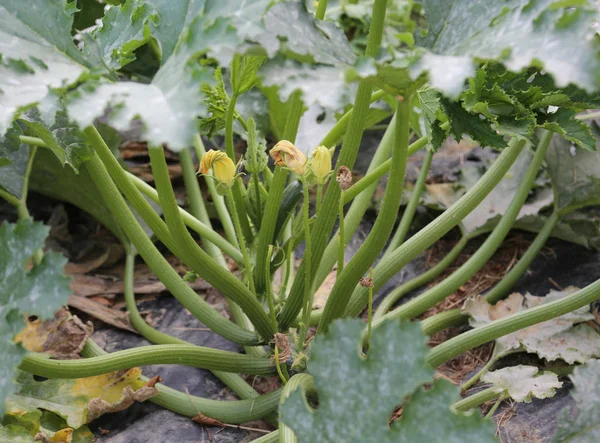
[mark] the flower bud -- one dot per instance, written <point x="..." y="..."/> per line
<point x="320" y="164"/>
<point x="222" y="166"/>
<point x="287" y="155"/>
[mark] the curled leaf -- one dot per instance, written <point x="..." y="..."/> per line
<point x="523" y="383"/>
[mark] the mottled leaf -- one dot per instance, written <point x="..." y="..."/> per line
<point x="358" y="394"/>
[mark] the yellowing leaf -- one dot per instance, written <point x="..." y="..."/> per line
<point x="564" y="337"/>
<point x="80" y="401"/>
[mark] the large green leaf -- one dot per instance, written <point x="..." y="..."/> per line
<point x="357" y="394"/>
<point x="13" y="161"/>
<point x="583" y="426"/>
<point x="40" y="291"/>
<point x="33" y="55"/>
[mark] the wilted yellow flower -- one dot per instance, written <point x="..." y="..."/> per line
<point x="286" y="154"/>
<point x="320" y="164"/>
<point x="222" y="166"/>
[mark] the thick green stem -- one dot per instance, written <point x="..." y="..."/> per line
<point x="479" y="398"/>
<point x="320" y="13"/>
<point x="389" y="266"/>
<point x="440" y="291"/>
<point x="388" y="302"/>
<point x="201" y="262"/>
<point x="198" y="225"/>
<point x="218" y="200"/>
<point x="237" y="190"/>
<point x="507" y="325"/>
<point x="341" y="237"/>
<point x="306" y="383"/>
<point x="455" y="317"/>
<point x="273" y="203"/>
<point x="323" y="226"/>
<point x="411" y="208"/>
<point x="154" y="259"/>
<point x="341" y="126"/>
<point x="272" y="437"/>
<point x="233" y="411"/>
<point x="308" y="293"/>
<point x="233" y="381"/>
<point x="187" y="355"/>
<point x="238" y="227"/>
<point x="340" y="294"/>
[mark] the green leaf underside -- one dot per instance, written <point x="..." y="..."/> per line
<point x="40" y="291"/>
<point x="357" y="394"/>
<point x="522" y="383"/>
<point x="583" y="424"/>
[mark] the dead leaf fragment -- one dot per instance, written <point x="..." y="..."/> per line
<point x="283" y="345"/>
<point x="202" y="419"/>
<point x="110" y="316"/>
<point x="63" y="337"/>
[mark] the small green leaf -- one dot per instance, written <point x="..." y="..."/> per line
<point x="357" y="394"/>
<point x="563" y="122"/>
<point x="15" y="156"/>
<point x="523" y="383"/>
<point x="583" y="425"/>
<point x="40" y="291"/>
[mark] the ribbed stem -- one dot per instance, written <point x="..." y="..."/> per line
<point x="411" y="208"/>
<point x="388" y="302"/>
<point x="273" y="203"/>
<point x="507" y="325"/>
<point x="241" y="241"/>
<point x="200" y="262"/>
<point x="189" y="405"/>
<point x="153" y="258"/>
<point x="187" y="355"/>
<point x="198" y="226"/>
<point x="389" y="266"/>
<point x="439" y="292"/>
<point x="454" y="317"/>
<point x="308" y="294"/>
<point x="320" y="13"/>
<point x="323" y="226"/>
<point x="479" y="398"/>
<point x="340" y="294"/>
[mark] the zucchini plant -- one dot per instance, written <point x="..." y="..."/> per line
<point x="514" y="75"/>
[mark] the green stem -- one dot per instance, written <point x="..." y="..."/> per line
<point x="237" y="187"/>
<point x="320" y="14"/>
<point x="367" y="254"/>
<point x="389" y="266"/>
<point x="411" y="208"/>
<point x="194" y="197"/>
<point x="198" y="225"/>
<point x="373" y="176"/>
<point x="242" y="242"/>
<point x="22" y="210"/>
<point x="472" y="401"/>
<point x="233" y="381"/>
<point x="388" y="302"/>
<point x="507" y="325"/>
<point x="308" y="293"/>
<point x="306" y="383"/>
<point x="269" y="292"/>
<point x="341" y="237"/>
<point x="273" y="203"/>
<point x="323" y="226"/>
<point x="454" y="317"/>
<point x="272" y="437"/>
<point x="257" y="196"/>
<point x="339" y="129"/>
<point x="14" y="201"/>
<point x="493" y="409"/>
<point x="357" y="209"/>
<point x="440" y="291"/>
<point x="218" y="200"/>
<point x="199" y="260"/>
<point x="187" y="355"/>
<point x="232" y="411"/>
<point x="485" y="368"/>
<point x="370" y="308"/>
<point x="153" y="258"/>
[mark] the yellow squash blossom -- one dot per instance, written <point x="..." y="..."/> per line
<point x="222" y="166"/>
<point x="320" y="164"/>
<point x="286" y="154"/>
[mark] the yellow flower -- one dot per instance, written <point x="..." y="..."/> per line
<point x="320" y="164"/>
<point x="286" y="154"/>
<point x="222" y="166"/>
